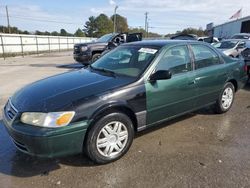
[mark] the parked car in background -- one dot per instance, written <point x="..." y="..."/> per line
<point x="208" y="39"/>
<point x="246" y="55"/>
<point x="98" y="109"/>
<point x="184" y="37"/>
<point x="87" y="53"/>
<point x="231" y="47"/>
<point x="241" y="36"/>
<point x="194" y="37"/>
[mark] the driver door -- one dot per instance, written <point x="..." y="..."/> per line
<point x="174" y="96"/>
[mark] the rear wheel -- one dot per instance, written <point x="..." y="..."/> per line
<point x="110" y="138"/>
<point x="225" y="101"/>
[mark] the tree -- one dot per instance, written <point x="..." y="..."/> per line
<point x="121" y="23"/>
<point x="37" y="32"/>
<point x="63" y="32"/>
<point x="104" y="25"/>
<point x="90" y="27"/>
<point x="25" y="32"/>
<point x="141" y="30"/>
<point x="46" y="33"/>
<point x="79" y="33"/>
<point x="190" y="30"/>
<point x="55" y="33"/>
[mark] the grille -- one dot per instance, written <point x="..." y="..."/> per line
<point x="77" y="49"/>
<point x="10" y="111"/>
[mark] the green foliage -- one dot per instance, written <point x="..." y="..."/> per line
<point x="55" y="33"/>
<point x="121" y="23"/>
<point x="79" y="33"/>
<point x="90" y="27"/>
<point x="63" y="32"/>
<point x="104" y="25"/>
<point x="140" y="30"/>
<point x="199" y="32"/>
<point x="38" y="32"/>
<point x="195" y="31"/>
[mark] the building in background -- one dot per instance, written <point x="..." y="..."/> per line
<point x="228" y="29"/>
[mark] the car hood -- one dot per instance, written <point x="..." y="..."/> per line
<point x="60" y="91"/>
<point x="227" y="51"/>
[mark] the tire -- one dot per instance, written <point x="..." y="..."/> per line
<point x="226" y="99"/>
<point x="109" y="138"/>
<point x="95" y="57"/>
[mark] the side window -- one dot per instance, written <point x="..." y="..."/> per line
<point x="176" y="60"/>
<point x="204" y="56"/>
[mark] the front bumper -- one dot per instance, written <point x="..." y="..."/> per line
<point x="82" y="57"/>
<point x="47" y="142"/>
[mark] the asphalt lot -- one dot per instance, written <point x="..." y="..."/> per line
<point x="197" y="150"/>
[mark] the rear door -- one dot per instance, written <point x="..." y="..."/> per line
<point x="168" y="98"/>
<point x="210" y="74"/>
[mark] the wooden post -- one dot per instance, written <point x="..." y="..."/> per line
<point x="21" y="39"/>
<point x="49" y="44"/>
<point x="59" y="44"/>
<point x="37" y="50"/>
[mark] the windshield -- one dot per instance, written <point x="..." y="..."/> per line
<point x="225" y="44"/>
<point x="105" y="38"/>
<point x="126" y="60"/>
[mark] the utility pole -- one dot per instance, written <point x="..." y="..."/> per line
<point x="116" y="7"/>
<point x="146" y="24"/>
<point x="8" y="20"/>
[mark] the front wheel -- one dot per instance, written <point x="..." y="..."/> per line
<point x="109" y="138"/>
<point x="95" y="57"/>
<point x="225" y="100"/>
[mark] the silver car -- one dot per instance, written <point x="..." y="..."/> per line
<point x="241" y="36"/>
<point x="231" y="47"/>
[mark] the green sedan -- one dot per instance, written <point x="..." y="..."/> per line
<point x="98" y="109"/>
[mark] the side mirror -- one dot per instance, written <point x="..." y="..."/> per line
<point x="161" y="75"/>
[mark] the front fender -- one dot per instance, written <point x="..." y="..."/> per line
<point x="109" y="106"/>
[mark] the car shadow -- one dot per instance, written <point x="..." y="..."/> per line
<point x="16" y="163"/>
<point x="71" y="66"/>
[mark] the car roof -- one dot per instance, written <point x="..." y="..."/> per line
<point x="235" y="40"/>
<point x="161" y="43"/>
<point x="248" y="34"/>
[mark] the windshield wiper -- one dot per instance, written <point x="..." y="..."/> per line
<point x="103" y="70"/>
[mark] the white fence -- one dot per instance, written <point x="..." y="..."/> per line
<point x="17" y="44"/>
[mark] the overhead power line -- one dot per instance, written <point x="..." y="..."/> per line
<point x="40" y="20"/>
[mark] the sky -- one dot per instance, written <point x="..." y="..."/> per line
<point x="165" y="16"/>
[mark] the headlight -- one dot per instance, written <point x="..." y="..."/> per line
<point x="84" y="48"/>
<point x="52" y="119"/>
